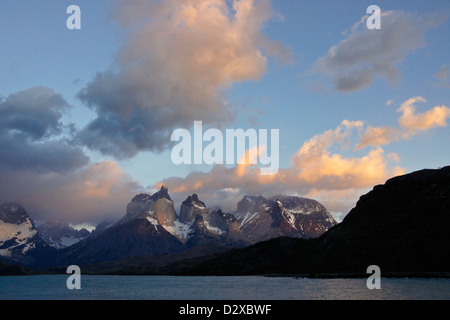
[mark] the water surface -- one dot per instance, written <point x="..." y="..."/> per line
<point x="217" y="288"/>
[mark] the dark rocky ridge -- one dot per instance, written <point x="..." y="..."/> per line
<point x="402" y="226"/>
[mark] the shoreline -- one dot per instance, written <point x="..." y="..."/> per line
<point x="389" y="275"/>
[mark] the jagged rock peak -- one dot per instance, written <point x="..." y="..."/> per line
<point x="145" y="197"/>
<point x="191" y="200"/>
<point x="257" y="199"/>
<point x="191" y="207"/>
<point x="162" y="193"/>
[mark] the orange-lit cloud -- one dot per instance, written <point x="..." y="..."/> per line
<point x="378" y="136"/>
<point x="315" y="168"/>
<point x="414" y="122"/>
<point x="97" y="192"/>
<point x="321" y="168"/>
<point x="411" y="123"/>
<point x="245" y="160"/>
<point x="314" y="149"/>
<point x="178" y="57"/>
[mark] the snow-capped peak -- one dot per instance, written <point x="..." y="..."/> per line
<point x="18" y="234"/>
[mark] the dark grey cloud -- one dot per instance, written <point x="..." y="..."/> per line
<point x="129" y="118"/>
<point x="42" y="169"/>
<point x="51" y="156"/>
<point x="33" y="113"/>
<point x="31" y="133"/>
<point x="355" y="80"/>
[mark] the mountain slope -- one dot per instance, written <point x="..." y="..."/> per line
<point x="61" y="235"/>
<point x="140" y="232"/>
<point x="216" y="228"/>
<point x="262" y="219"/>
<point x="20" y="242"/>
<point x="14" y="270"/>
<point x="151" y="227"/>
<point x="401" y="226"/>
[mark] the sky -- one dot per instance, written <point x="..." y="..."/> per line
<point x="86" y="115"/>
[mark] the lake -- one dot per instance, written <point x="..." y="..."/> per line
<point x="217" y="288"/>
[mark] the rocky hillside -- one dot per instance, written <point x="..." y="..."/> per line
<point x="401" y="226"/>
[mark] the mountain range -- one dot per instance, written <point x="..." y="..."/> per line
<point x="401" y="226"/>
<point x="151" y="227"/>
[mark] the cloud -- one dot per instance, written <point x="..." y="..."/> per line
<point x="33" y="113"/>
<point x="414" y="122"/>
<point x="315" y="169"/>
<point x="355" y="62"/>
<point x="337" y="201"/>
<point x="378" y="136"/>
<point x="336" y="178"/>
<point x="313" y="150"/>
<point x="44" y="171"/>
<point x="51" y="156"/>
<point x="177" y="58"/>
<point x="319" y="168"/>
<point x="91" y="194"/>
<point x="411" y="123"/>
<point x="30" y="133"/>
<point x="443" y="77"/>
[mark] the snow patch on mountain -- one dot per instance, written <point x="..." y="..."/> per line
<point x="20" y="234"/>
<point x="153" y="221"/>
<point x="247" y="217"/>
<point x="290" y="218"/>
<point x="213" y="229"/>
<point x="179" y="230"/>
